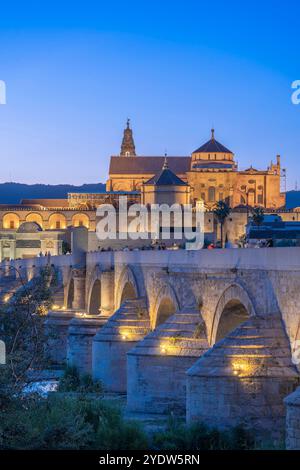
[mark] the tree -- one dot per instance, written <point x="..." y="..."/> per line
<point x="22" y="330"/>
<point x="221" y="212"/>
<point x="258" y="215"/>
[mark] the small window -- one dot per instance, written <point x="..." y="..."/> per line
<point x="11" y="224"/>
<point x="209" y="156"/>
<point x="221" y="196"/>
<point x="211" y="194"/>
<point x="203" y="196"/>
<point x="80" y="223"/>
<point x="57" y="224"/>
<point x="260" y="199"/>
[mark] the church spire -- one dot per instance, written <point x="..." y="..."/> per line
<point x="127" y="147"/>
<point x="165" y="165"/>
<point x="212" y="134"/>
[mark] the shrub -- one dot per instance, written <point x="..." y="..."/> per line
<point x="72" y="381"/>
<point x="200" y="437"/>
<point x="61" y="422"/>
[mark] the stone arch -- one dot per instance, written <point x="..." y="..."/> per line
<point x="57" y="221"/>
<point x="94" y="299"/>
<point x="11" y="221"/>
<point x="233" y="308"/>
<point x="165" y="305"/>
<point x="127" y="287"/>
<point x="70" y="293"/>
<point x="80" y="220"/>
<point x="35" y="217"/>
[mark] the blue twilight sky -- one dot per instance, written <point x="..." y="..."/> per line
<point x="75" y="70"/>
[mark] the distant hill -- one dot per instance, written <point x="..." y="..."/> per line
<point x="12" y="193"/>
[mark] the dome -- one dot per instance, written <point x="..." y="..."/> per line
<point x="166" y="177"/>
<point x="213" y="146"/>
<point x="29" y="227"/>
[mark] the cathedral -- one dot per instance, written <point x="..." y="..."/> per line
<point x="210" y="172"/>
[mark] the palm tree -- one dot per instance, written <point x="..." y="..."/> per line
<point x="258" y="215"/>
<point x="221" y="211"/>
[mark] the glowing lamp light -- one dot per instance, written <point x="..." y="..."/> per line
<point x="241" y="368"/>
<point x="124" y="337"/>
<point x="163" y="350"/>
<point x="6" y="298"/>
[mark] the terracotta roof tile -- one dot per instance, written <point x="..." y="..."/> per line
<point x="147" y="165"/>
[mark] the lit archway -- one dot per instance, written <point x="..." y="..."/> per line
<point x="57" y="222"/>
<point x="128" y="292"/>
<point x="165" y="305"/>
<point x="127" y="287"/>
<point x="80" y="220"/>
<point x="165" y="310"/>
<point x="70" y="297"/>
<point x="34" y="217"/>
<point x="95" y="298"/>
<point x="234" y="314"/>
<point x="233" y="308"/>
<point x="11" y="221"/>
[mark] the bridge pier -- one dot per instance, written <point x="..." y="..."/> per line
<point x="122" y="331"/>
<point x="243" y="380"/>
<point x="107" y="292"/>
<point x="157" y="365"/>
<point x="81" y="331"/>
<point x="79" y="276"/>
<point x="56" y="329"/>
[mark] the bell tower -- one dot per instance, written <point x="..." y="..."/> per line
<point x="128" y="147"/>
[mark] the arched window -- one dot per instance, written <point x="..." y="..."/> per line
<point x="57" y="221"/>
<point x="211" y="194"/>
<point x="80" y="220"/>
<point x="11" y="221"/>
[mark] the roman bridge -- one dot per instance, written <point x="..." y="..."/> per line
<point x="209" y="333"/>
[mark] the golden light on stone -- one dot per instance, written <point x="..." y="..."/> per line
<point x="241" y="368"/>
<point x="124" y="334"/>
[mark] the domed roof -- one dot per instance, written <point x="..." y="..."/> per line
<point x="212" y="146"/>
<point x="166" y="177"/>
<point x="29" y="227"/>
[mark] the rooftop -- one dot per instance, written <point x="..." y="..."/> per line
<point x="212" y="146"/>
